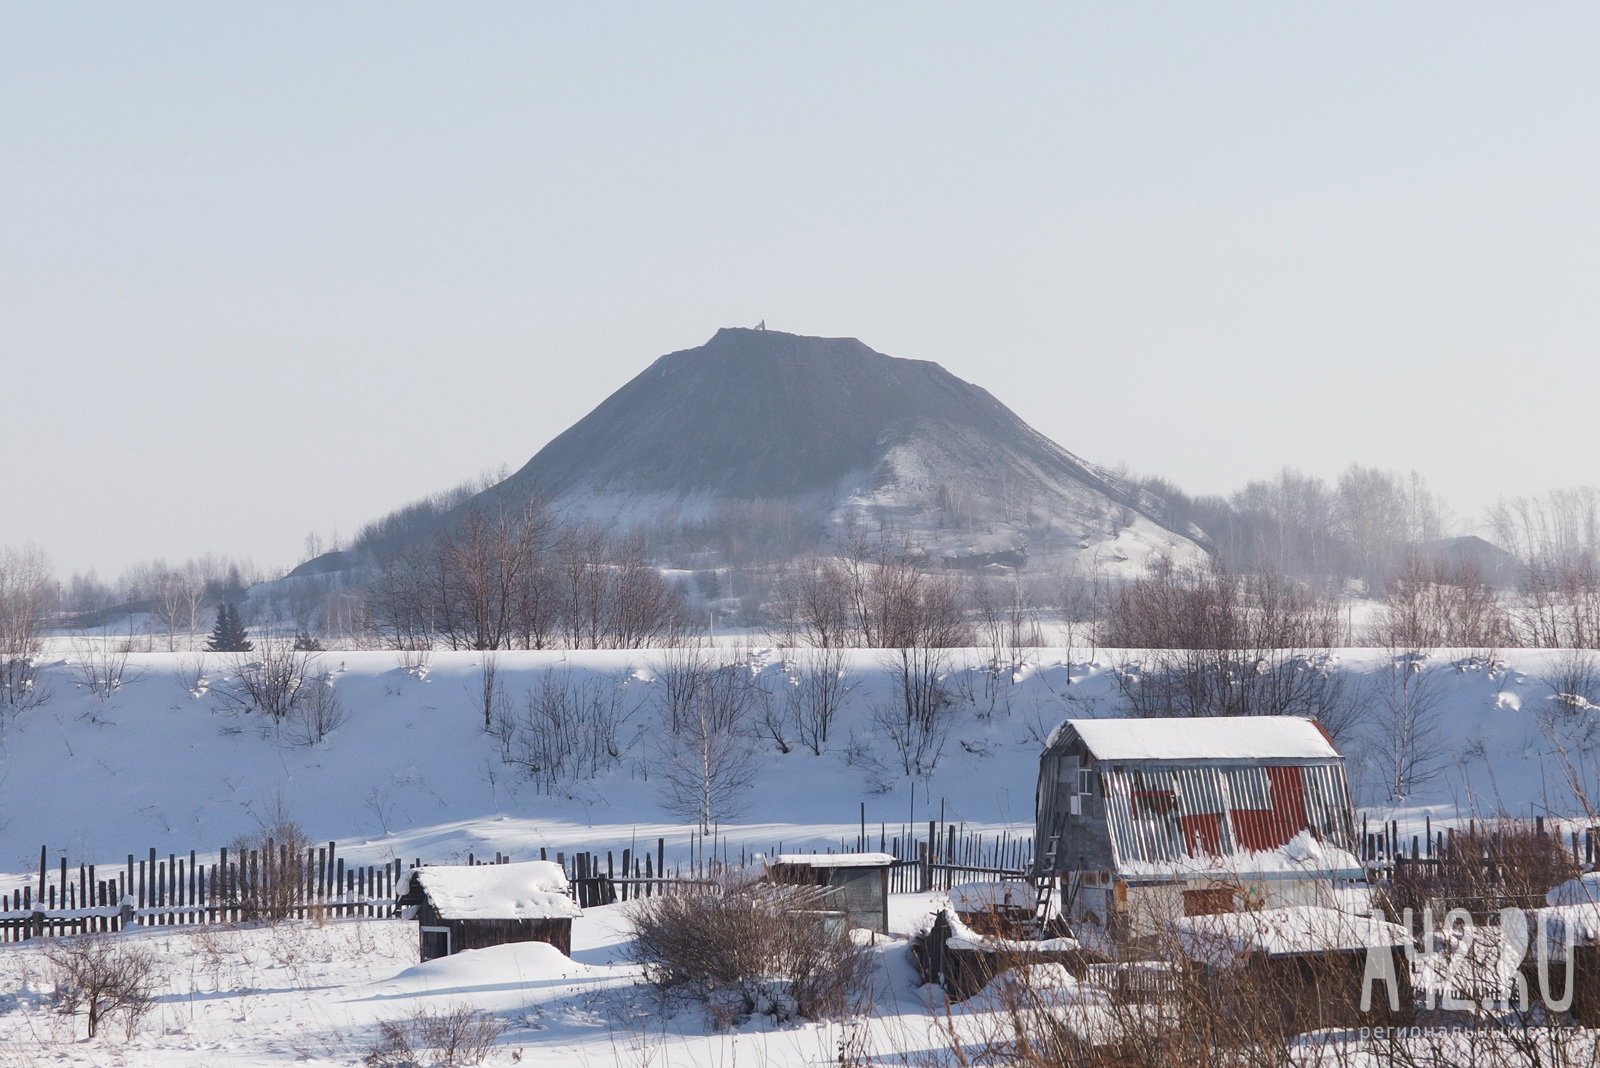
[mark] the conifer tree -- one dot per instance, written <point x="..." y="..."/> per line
<point x="229" y="635"/>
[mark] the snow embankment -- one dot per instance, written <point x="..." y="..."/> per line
<point x="166" y="761"/>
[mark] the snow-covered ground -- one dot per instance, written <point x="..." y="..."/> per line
<point x="411" y="772"/>
<point x="301" y="992"/>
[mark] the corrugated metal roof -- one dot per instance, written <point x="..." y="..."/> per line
<point x="1164" y="815"/>
<point x="1209" y="738"/>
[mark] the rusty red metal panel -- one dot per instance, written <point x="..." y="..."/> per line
<point x="1202" y="834"/>
<point x="1262" y="829"/>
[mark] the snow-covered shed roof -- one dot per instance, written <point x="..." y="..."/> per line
<point x="1221" y="939"/>
<point x="528" y="890"/>
<point x="1203" y="738"/>
<point x="835" y="860"/>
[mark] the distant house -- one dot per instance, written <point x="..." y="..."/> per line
<point x="461" y="907"/>
<point x="859" y="883"/>
<point x="1145" y="819"/>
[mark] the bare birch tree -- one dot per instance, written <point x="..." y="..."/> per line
<point x="707" y="761"/>
<point x="27" y="594"/>
<point x="1406" y="745"/>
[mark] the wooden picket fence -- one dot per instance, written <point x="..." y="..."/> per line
<point x="947" y="856"/>
<point x="260" y="884"/>
<point x="274" y="882"/>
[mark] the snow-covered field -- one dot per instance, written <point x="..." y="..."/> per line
<point x="410" y="772"/>
<point x="306" y="993"/>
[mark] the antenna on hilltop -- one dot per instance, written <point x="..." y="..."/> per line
<point x="762" y="325"/>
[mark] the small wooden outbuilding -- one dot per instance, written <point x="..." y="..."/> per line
<point x="860" y="879"/>
<point x="1142" y="819"/>
<point x="461" y="907"/>
<point x="1307" y="965"/>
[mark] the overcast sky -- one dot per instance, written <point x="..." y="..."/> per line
<point x="268" y="269"/>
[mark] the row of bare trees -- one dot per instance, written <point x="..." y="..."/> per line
<point x="1361" y="527"/>
<point x="1436" y="603"/>
<point x="874" y="596"/>
<point x="1221" y="644"/>
<point x="519" y="580"/>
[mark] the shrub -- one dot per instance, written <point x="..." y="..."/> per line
<point x="460" y="1035"/>
<point x="277" y="855"/>
<point x="289" y="684"/>
<point x="743" y="948"/>
<point x="99" y="975"/>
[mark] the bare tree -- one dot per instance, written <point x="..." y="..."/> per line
<point x="177" y="595"/>
<point x="453" y="1037"/>
<point x="644" y="610"/>
<point x="922" y="617"/>
<point x="1215" y="643"/>
<point x="708" y="757"/>
<point x="1381" y="517"/>
<point x="582" y="565"/>
<point x="680" y="673"/>
<point x="571" y="727"/>
<point x="1556" y="539"/>
<point x="1406" y="746"/>
<point x="815" y="603"/>
<point x="482" y="574"/>
<point x="768" y="947"/>
<point x="271" y="678"/>
<point x="100" y="975"/>
<point x="1434" y="604"/>
<point x="101" y="664"/>
<point x="775" y="713"/>
<point x="401" y="600"/>
<point x="316" y="710"/>
<point x="27" y="594"/>
<point x="820" y="681"/>
<point x="489" y="686"/>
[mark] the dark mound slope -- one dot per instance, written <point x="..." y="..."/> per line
<point x="762" y="414"/>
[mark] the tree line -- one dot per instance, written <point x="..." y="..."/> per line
<point x="521" y="580"/>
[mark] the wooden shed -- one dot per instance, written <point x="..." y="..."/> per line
<point x="1306" y="964"/>
<point x="461" y="907"/>
<point x="1144" y="819"/>
<point x="861" y="879"/>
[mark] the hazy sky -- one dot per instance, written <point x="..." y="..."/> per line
<point x="273" y="268"/>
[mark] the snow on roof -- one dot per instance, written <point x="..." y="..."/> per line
<point x="835" y="860"/>
<point x="1205" y="738"/>
<point x="1584" y="890"/>
<point x="1303" y="856"/>
<point x="529" y="890"/>
<point x="1579" y="922"/>
<point x="964" y="937"/>
<point x="1221" y="939"/>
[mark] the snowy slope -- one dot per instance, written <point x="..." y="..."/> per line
<point x="411" y="771"/>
